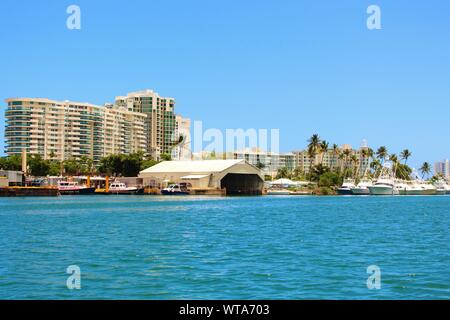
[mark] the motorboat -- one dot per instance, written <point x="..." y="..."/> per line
<point x="346" y="188"/>
<point x="72" y="187"/>
<point x="362" y="188"/>
<point x="121" y="188"/>
<point x="442" y="187"/>
<point x="175" y="189"/>
<point x="383" y="186"/>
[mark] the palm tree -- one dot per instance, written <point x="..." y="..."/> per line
<point x="313" y="148"/>
<point x="347" y="153"/>
<point x="425" y="169"/>
<point x="323" y="149"/>
<point x="335" y="149"/>
<point x="405" y="155"/>
<point x="382" y="153"/>
<point x="314" y="144"/>
<point x="354" y="161"/>
<point x="394" y="159"/>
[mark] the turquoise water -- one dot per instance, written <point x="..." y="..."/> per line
<point x="149" y="247"/>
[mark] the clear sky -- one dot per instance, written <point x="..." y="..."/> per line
<point x="301" y="66"/>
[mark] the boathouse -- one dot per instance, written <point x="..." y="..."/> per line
<point x="228" y="176"/>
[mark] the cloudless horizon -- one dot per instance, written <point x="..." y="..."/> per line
<point x="303" y="67"/>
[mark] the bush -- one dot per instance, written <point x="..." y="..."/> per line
<point x="329" y="179"/>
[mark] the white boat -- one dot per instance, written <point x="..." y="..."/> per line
<point x="121" y="188"/>
<point x="346" y="188"/>
<point x="362" y="188"/>
<point x="442" y="187"/>
<point x="72" y="187"/>
<point x="401" y="187"/>
<point x="385" y="184"/>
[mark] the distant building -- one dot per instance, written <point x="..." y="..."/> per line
<point x="141" y="121"/>
<point x="268" y="162"/>
<point x="442" y="168"/>
<point x="182" y="151"/>
<point x="160" y="123"/>
<point x="333" y="159"/>
<point x="63" y="129"/>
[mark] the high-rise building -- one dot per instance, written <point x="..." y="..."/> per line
<point x="443" y="168"/>
<point x="63" y="129"/>
<point x="160" y="123"/>
<point x="182" y="150"/>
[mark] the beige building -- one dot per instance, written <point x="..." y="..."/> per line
<point x="236" y="176"/>
<point x="64" y="129"/>
<point x="268" y="162"/>
<point x="333" y="159"/>
<point x="160" y="122"/>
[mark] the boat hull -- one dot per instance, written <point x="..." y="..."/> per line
<point x="77" y="191"/>
<point x="135" y="191"/>
<point x="360" y="191"/>
<point x="344" y="192"/>
<point x="381" y="191"/>
<point x="174" y="193"/>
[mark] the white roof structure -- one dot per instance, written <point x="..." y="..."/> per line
<point x="200" y="166"/>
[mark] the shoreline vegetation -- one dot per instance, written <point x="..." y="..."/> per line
<point x="325" y="181"/>
<point x="322" y="180"/>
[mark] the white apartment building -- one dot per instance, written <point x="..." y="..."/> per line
<point x="160" y="122"/>
<point x="442" y="167"/>
<point x="63" y="129"/>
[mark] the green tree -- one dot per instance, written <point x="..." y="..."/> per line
<point x="38" y="166"/>
<point x="330" y="179"/>
<point x="382" y="153"/>
<point x="405" y="155"/>
<point x="425" y="169"/>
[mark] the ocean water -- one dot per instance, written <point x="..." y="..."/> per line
<point x="279" y="247"/>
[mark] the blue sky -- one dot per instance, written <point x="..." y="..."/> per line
<point x="301" y="66"/>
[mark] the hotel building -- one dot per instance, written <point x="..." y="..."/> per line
<point x="331" y="159"/>
<point x="160" y="123"/>
<point x="443" y="168"/>
<point x="63" y="129"/>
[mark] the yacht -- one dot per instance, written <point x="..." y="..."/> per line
<point x="442" y="187"/>
<point x="72" y="187"/>
<point x="121" y="188"/>
<point x="383" y="186"/>
<point x="362" y="188"/>
<point x="401" y="187"/>
<point x="428" y="188"/>
<point x="346" y="188"/>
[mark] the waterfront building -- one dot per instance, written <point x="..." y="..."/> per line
<point x="333" y="159"/>
<point x="160" y="122"/>
<point x="268" y="162"/>
<point x="182" y="151"/>
<point x="229" y="176"/>
<point x="63" y="129"/>
<point x="443" y="168"/>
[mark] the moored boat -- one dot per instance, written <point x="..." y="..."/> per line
<point x="346" y="188"/>
<point x="362" y="188"/>
<point x="71" y="187"/>
<point x="121" y="188"/>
